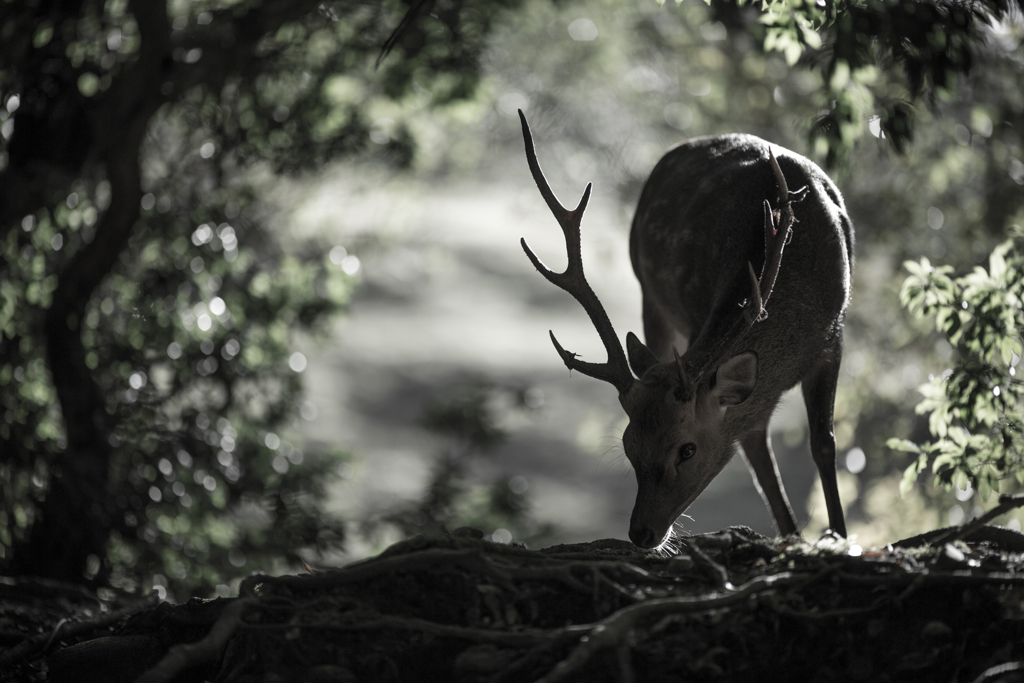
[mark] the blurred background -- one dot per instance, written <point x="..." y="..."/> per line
<point x="305" y="329"/>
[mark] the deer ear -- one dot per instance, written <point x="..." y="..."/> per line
<point x="735" y="379"/>
<point x="640" y="357"/>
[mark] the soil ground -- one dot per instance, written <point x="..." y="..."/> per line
<point x="728" y="606"/>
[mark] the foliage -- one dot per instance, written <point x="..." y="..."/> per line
<point x="469" y="417"/>
<point x="606" y="109"/>
<point x="878" y="57"/>
<point x="103" y="295"/>
<point x="149" y="382"/>
<point x="975" y="411"/>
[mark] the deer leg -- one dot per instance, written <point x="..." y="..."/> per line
<point x="757" y="447"/>
<point x="819" y="390"/>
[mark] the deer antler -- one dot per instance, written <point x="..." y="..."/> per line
<point x="685" y="387"/>
<point x="773" y="243"/>
<point x="723" y="336"/>
<point x="615" y="370"/>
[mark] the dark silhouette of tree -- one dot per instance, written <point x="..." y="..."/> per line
<point x="146" y="387"/>
<point x="147" y="305"/>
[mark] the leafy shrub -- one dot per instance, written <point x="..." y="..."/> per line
<point x="975" y="414"/>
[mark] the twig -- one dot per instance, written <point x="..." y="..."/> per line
<point x="30" y="646"/>
<point x="53" y="634"/>
<point x="932" y="577"/>
<point x="714" y="571"/>
<point x="611" y="632"/>
<point x="830" y="614"/>
<point x="720" y="540"/>
<point x="407" y="21"/>
<point x="443" y="559"/>
<point x="1007" y="502"/>
<point x="600" y="578"/>
<point x="369" y="569"/>
<point x="46" y="588"/>
<point x="994" y="671"/>
<point x="480" y="635"/>
<point x="181" y="657"/>
<point x="914" y="586"/>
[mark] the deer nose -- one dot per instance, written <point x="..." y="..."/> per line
<point x="643" y="537"/>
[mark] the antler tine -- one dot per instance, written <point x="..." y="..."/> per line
<point x="755" y="307"/>
<point x="685" y="386"/>
<point x="779" y="177"/>
<point x="775" y="240"/>
<point x="572" y="280"/>
<point x="773" y="247"/>
<point x="787" y="197"/>
<point x="569" y="220"/>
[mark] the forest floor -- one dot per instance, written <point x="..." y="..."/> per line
<point x="727" y="606"/>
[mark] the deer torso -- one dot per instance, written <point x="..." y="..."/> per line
<point x="699" y="222"/>
<point x="714" y="212"/>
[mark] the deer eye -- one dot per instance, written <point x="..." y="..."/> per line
<point x="686" y="451"/>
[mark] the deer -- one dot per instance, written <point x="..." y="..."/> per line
<point x="706" y="245"/>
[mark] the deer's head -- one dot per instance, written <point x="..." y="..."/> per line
<point x="676" y="440"/>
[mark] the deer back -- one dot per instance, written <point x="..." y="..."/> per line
<point x="705" y="221"/>
<point x="700" y="221"/>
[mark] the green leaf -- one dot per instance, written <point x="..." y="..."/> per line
<point x="985" y="487"/>
<point x="920" y="269"/>
<point x="943" y="460"/>
<point x="904" y="445"/>
<point x="1007" y="347"/>
<point x="908" y="480"/>
<point x="947" y="321"/>
<point x="938" y="423"/>
<point x="997" y="261"/>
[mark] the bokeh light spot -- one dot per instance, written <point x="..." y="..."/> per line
<point x="297" y="362"/>
<point x="856" y="460"/>
<point x="350" y="264"/>
<point x="583" y="30"/>
<point x="501" y="536"/>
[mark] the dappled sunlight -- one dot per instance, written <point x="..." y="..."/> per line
<point x="291" y="267"/>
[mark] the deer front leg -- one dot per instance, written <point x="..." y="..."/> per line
<point x="757" y="447"/>
<point x="819" y="390"/>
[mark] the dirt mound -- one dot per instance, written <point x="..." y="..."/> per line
<point x="726" y="606"/>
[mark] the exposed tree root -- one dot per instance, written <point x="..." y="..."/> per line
<point x="188" y="655"/>
<point x="728" y="607"/>
<point x="66" y="628"/>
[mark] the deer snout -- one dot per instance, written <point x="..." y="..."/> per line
<point x="644" y="537"/>
<point x="643" y="533"/>
<point x="651" y="518"/>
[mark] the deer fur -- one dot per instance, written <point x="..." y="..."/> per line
<point x="704" y="225"/>
<point x="697" y="225"/>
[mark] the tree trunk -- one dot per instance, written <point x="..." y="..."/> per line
<point x="75" y="519"/>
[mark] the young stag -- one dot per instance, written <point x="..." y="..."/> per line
<point x="703" y="229"/>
